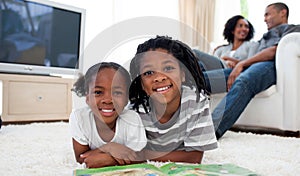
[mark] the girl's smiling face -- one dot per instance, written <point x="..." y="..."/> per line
<point x="107" y="95"/>
<point x="161" y="76"/>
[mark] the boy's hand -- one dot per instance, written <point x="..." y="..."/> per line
<point x="121" y="153"/>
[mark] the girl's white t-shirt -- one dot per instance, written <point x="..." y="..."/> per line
<point x="129" y="129"/>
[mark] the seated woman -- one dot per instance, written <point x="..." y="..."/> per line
<point x="238" y="32"/>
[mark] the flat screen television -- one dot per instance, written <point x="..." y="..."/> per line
<point x="41" y="37"/>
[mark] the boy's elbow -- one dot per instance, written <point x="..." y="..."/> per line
<point x="198" y="157"/>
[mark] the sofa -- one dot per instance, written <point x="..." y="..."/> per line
<point x="278" y="107"/>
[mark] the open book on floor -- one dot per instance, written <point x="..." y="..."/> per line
<point x="168" y="169"/>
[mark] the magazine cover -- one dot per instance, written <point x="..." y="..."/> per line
<point x="168" y="169"/>
<point x="202" y="169"/>
<point x="126" y="170"/>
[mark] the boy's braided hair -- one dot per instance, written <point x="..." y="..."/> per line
<point x="188" y="61"/>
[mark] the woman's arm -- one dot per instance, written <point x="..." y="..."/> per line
<point x="227" y="58"/>
<point x="230" y="61"/>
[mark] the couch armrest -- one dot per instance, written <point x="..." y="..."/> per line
<point x="288" y="76"/>
<point x="288" y="62"/>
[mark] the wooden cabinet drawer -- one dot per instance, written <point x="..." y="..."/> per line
<point x="36" y="98"/>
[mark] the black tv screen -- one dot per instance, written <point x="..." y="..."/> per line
<point x="40" y="37"/>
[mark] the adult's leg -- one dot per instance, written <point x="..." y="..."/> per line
<point x="207" y="61"/>
<point x="216" y="80"/>
<point x="253" y="80"/>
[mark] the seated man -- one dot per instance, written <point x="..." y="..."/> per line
<point x="250" y="76"/>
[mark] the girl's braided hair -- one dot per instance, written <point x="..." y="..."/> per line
<point x="188" y="61"/>
<point x="81" y="86"/>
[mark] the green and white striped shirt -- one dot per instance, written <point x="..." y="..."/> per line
<point x="190" y="128"/>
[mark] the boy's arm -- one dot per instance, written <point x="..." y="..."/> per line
<point x="174" y="156"/>
<point x="119" y="152"/>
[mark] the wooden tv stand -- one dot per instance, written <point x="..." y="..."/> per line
<point x="35" y="98"/>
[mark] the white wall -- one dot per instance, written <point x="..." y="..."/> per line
<point x="126" y="10"/>
<point x="221" y="16"/>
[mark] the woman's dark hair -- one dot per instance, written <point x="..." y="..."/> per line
<point x="187" y="60"/>
<point x="81" y="86"/>
<point x="230" y="26"/>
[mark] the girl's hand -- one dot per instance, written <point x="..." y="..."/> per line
<point x="96" y="158"/>
<point x="120" y="152"/>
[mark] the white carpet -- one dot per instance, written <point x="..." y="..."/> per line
<point x="45" y="149"/>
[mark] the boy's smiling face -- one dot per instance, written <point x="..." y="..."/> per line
<point x="107" y="95"/>
<point x="161" y="76"/>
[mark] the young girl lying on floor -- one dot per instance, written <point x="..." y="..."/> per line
<point x="104" y="133"/>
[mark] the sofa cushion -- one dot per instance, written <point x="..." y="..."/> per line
<point x="266" y="93"/>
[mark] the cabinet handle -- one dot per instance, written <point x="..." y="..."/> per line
<point x="39" y="98"/>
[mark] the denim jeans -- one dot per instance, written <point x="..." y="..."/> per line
<point x="207" y="61"/>
<point x="250" y="82"/>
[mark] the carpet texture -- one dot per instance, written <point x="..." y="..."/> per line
<point x="45" y="149"/>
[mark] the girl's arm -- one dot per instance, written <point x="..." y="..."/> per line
<point x="92" y="158"/>
<point x="79" y="149"/>
<point x="96" y="158"/>
<point x="174" y="156"/>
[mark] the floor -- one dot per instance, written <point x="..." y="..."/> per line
<point x="255" y="130"/>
